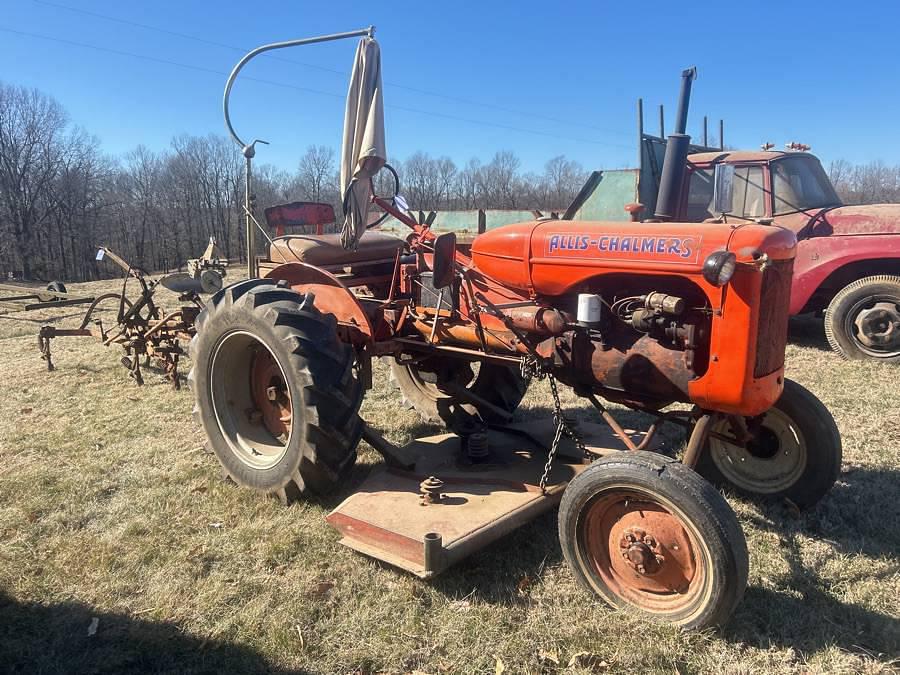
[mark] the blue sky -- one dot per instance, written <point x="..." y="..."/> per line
<point x="467" y="79"/>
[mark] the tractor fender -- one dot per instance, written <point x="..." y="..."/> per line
<point x="819" y="257"/>
<point x="332" y="297"/>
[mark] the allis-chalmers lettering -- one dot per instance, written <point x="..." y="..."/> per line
<point x="679" y="249"/>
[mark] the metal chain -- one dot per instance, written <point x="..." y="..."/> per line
<point x="530" y="367"/>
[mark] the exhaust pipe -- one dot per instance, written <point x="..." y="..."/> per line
<point x="677" y="146"/>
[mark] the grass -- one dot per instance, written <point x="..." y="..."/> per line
<point x="110" y="510"/>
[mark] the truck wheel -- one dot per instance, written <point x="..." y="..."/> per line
<point x="795" y="451"/>
<point x="645" y="532"/>
<point x="427" y="387"/>
<point x="53" y="287"/>
<point x="275" y="390"/>
<point x="863" y="319"/>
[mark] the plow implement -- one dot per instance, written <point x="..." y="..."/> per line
<point x="142" y="328"/>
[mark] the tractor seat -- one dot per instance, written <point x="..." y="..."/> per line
<point x="325" y="250"/>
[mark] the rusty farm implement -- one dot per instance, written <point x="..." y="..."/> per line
<point x="136" y="322"/>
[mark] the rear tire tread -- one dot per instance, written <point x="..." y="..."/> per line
<point x="321" y="366"/>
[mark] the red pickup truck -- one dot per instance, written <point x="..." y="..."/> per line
<point x="848" y="257"/>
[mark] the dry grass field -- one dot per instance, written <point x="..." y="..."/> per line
<point x="114" y="522"/>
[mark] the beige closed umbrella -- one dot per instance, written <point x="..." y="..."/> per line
<point x="363" y="151"/>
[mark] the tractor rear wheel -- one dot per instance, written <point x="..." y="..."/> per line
<point x="275" y="390"/>
<point x="794" y="451"/>
<point x="433" y="388"/>
<point x="863" y="320"/>
<point x="644" y="532"/>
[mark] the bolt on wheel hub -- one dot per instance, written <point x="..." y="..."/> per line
<point x="641" y="551"/>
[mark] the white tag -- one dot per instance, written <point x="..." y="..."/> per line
<point x="100" y="253"/>
<point x="400" y="203"/>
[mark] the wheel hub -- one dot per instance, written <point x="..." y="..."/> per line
<point x="270" y="395"/>
<point x="641" y="551"/>
<point x="878" y="326"/>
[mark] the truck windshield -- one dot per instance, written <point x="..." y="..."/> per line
<point x="800" y="184"/>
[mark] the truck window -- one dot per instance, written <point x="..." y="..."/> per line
<point x="749" y="193"/>
<point x="799" y="184"/>
<point x="700" y="195"/>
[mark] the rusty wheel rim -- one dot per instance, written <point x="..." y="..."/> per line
<point x="271" y="394"/>
<point x="251" y="400"/>
<point x="771" y="462"/>
<point x="874" y="325"/>
<point x="643" y="552"/>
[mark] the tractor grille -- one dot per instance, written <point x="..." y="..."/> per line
<point x="772" y="328"/>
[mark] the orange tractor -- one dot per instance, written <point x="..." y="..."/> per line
<point x="646" y="316"/>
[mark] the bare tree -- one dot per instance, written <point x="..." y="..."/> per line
<point x="315" y="173"/>
<point x="32" y="127"/>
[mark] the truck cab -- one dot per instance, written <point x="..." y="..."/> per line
<point x="848" y="257"/>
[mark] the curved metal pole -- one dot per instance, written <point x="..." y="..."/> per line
<point x="249" y="149"/>
<point x="370" y="32"/>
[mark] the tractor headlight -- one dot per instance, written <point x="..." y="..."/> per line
<point x="719" y="267"/>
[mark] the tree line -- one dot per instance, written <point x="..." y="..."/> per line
<point x="61" y="196"/>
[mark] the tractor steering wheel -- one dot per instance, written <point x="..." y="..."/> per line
<point x="394" y="196"/>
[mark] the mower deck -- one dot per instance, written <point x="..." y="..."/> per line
<point x="480" y="502"/>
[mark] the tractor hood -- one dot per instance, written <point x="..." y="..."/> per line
<point x="851" y="220"/>
<point x="550" y="257"/>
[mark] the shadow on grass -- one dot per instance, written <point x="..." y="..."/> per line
<point x="54" y="639"/>
<point x="809" y="618"/>
<point x="858" y="517"/>
<point x="808" y="331"/>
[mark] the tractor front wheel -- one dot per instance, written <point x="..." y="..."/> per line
<point x="275" y="390"/>
<point x="793" y="451"/>
<point x="644" y="532"/>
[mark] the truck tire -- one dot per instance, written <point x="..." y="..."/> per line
<point x="428" y="390"/>
<point x="796" y="453"/>
<point x="863" y="319"/>
<point x="275" y="390"/>
<point x="53" y="287"/>
<point x="645" y="532"/>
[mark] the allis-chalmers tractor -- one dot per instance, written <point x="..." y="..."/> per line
<point x="647" y="316"/>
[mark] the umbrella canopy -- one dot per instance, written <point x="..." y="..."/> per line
<point x="363" y="151"/>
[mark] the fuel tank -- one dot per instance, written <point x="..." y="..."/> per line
<point x="549" y="257"/>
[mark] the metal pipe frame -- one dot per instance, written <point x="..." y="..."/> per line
<point x="248" y="150"/>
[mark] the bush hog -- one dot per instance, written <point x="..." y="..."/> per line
<point x="649" y="315"/>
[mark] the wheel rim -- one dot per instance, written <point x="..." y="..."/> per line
<point x="644" y="552"/>
<point x="874" y="326"/>
<point x="772" y="461"/>
<point x="251" y="400"/>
